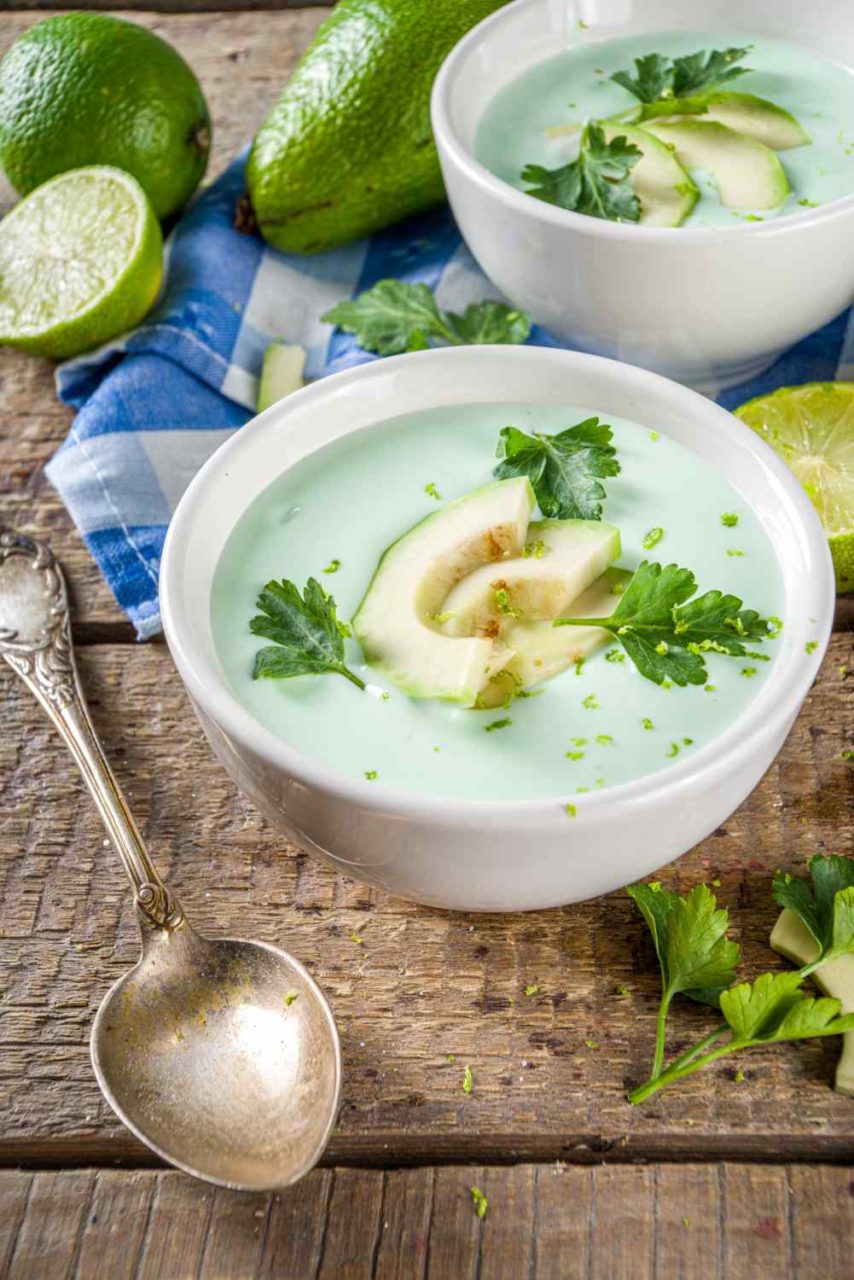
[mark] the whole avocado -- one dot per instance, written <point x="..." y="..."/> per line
<point x="85" y="88"/>
<point x="348" y="148"/>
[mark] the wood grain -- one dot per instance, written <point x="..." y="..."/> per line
<point x="543" y="1222"/>
<point x="426" y="983"/>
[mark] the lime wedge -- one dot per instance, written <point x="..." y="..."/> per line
<point x="812" y="429"/>
<point x="80" y="261"/>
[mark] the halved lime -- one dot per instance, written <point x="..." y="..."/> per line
<point x="812" y="429"/>
<point x="80" y="261"/>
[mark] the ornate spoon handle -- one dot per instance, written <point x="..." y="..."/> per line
<point x="35" y="640"/>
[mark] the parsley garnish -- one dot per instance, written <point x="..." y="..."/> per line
<point x="697" y="959"/>
<point x="598" y="182"/>
<point x="826" y="907"/>
<point x="666" y="637"/>
<point x="497" y="724"/>
<point x="395" y="316"/>
<point x="657" y="77"/>
<point x="564" y="469"/>
<point x="307" y="636"/>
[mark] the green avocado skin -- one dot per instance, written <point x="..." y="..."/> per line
<point x="348" y="148"/>
<point x="86" y="88"/>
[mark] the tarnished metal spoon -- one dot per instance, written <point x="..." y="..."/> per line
<point x="222" y="1056"/>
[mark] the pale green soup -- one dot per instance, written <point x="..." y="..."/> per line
<point x="575" y="85"/>
<point x="586" y="729"/>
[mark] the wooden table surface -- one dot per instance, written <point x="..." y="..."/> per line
<point x="719" y="1177"/>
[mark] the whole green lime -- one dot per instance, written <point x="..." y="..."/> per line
<point x="85" y="88"/>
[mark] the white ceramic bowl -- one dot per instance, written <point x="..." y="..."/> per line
<point x="481" y="855"/>
<point x="708" y="307"/>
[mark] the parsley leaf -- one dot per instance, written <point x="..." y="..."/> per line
<point x="653" y="77"/>
<point x="826" y="907"/>
<point x="564" y="469"/>
<point x="696" y="71"/>
<point x="307" y="636"/>
<point x="664" y="635"/>
<point x="598" y="182"/>
<point x="773" y="1008"/>
<point x="694" y="953"/>
<point x="396" y="316"/>
<point x="657" y="77"/>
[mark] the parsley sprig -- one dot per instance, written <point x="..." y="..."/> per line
<point x="308" y="638"/>
<point x="395" y="316"/>
<point x="697" y="959"/>
<point x="826" y="907"/>
<point x="564" y="469"/>
<point x="597" y="182"/>
<point x="657" y="76"/>
<point x="666" y="634"/>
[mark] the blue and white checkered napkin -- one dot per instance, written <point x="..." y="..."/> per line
<point x="154" y="404"/>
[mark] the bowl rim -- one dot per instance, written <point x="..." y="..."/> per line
<point x="764" y="717"/>
<point x="448" y="139"/>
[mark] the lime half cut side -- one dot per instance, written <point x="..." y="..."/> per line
<point x="81" y="260"/>
<point x="812" y="429"/>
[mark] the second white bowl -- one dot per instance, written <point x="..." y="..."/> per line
<point x="709" y="307"/>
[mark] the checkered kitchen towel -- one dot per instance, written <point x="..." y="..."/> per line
<point x="155" y="403"/>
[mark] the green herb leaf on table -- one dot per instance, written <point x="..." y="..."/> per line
<point x="307" y="636"/>
<point x="598" y="182"/>
<point x="664" y="635"/>
<point x="564" y="469"/>
<point x="395" y="316"/>
<point x="826" y="907"/>
<point x="690" y="938"/>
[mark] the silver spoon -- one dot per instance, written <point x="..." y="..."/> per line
<point x="222" y="1056"/>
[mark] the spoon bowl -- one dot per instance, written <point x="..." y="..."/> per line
<point x="222" y="1056"/>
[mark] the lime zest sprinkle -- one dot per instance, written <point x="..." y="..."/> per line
<point x="468" y="1082"/>
<point x="647" y="723"/>
<point x="575" y="755"/>
<point x="535" y="548"/>
<point x="652" y="538"/>
<point x="775" y="626"/>
<point x="371" y="775"/>
<point x="571" y="810"/>
<point x="811" y="646"/>
<point x="589" y="703"/>
<point x="604" y="739"/>
<point x="729" y="519"/>
<point x="357" y="939"/>
<point x="432" y="492"/>
<point x="734" y="552"/>
<point x="615" y="655"/>
<point x="673" y="751"/>
<point x="497" y="724"/>
<point x="579" y="666"/>
<point x="531" y="989"/>
<point x="290" y="997"/>
<point x="653" y="435"/>
<point x="479" y="1201"/>
<point x="749" y="672"/>
<point x="333" y="566"/>
<point x="709" y="688"/>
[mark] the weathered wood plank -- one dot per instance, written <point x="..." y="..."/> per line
<point x="426" y="983"/>
<point x="653" y="1223"/>
<point x="48" y="1238"/>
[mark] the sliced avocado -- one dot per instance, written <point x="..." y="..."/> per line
<point x="748" y="174"/>
<point x="281" y="373"/>
<point x="792" y="939"/>
<point x="541" y="650"/>
<point x="757" y="118"/>
<point x="563" y="558"/>
<point x="397" y="623"/>
<point x="666" y="192"/>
